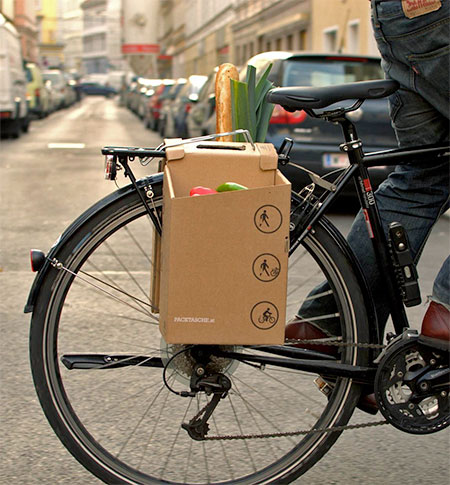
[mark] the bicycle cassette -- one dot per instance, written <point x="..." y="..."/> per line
<point x="412" y="387"/>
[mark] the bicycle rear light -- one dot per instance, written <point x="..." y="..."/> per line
<point x="110" y="167"/>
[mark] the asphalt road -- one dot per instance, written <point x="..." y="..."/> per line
<point x="43" y="188"/>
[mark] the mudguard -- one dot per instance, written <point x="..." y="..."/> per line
<point x="374" y="328"/>
<point x="93" y="210"/>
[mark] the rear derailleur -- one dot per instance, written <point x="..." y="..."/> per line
<point x="217" y="385"/>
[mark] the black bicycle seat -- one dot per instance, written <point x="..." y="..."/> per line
<point x="309" y="97"/>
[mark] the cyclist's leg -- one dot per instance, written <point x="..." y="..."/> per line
<point x="414" y="195"/>
<point x="404" y="198"/>
<point x="441" y="287"/>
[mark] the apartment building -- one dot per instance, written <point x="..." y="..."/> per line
<point x="25" y="22"/>
<point x="197" y="35"/>
<point x="72" y="32"/>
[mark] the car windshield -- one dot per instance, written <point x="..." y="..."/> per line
<point x="328" y="71"/>
<point x="54" y="77"/>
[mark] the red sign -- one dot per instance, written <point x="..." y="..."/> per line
<point x="140" y="48"/>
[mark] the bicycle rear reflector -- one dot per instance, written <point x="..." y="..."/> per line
<point x="37" y="258"/>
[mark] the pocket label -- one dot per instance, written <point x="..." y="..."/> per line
<point x="416" y="8"/>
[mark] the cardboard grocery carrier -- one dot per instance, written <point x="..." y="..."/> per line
<point x="224" y="256"/>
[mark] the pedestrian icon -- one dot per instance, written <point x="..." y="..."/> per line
<point x="266" y="267"/>
<point x="264" y="315"/>
<point x="263" y="219"/>
<point x="268" y="219"/>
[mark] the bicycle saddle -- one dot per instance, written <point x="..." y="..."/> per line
<point x="309" y="97"/>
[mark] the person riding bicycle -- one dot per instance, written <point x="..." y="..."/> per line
<point x="413" y="39"/>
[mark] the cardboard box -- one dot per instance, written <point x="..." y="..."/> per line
<point x="224" y="256"/>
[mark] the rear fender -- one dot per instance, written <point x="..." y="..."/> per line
<point x="92" y="211"/>
<point x="375" y="334"/>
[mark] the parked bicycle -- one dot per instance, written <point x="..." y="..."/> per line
<point x="133" y="409"/>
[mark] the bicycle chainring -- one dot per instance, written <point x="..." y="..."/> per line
<point x="407" y="390"/>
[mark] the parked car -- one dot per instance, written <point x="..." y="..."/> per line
<point x="37" y="93"/>
<point x="316" y="142"/>
<point x="95" y="88"/>
<point x="165" y="120"/>
<point x="201" y="117"/>
<point x="14" y="114"/>
<point x="153" y="107"/>
<point x="63" y="97"/>
<point x="177" y="111"/>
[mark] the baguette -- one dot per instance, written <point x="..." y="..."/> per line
<point x="224" y="121"/>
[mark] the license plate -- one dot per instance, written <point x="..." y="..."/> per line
<point x="334" y="160"/>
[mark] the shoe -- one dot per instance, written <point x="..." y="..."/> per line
<point x="297" y="328"/>
<point x="436" y="327"/>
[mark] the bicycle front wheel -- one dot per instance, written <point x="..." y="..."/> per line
<point x="112" y="409"/>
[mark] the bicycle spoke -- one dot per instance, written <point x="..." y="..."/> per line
<point x="136" y="242"/>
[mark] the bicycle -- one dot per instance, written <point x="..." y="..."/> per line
<point x="133" y="409"/>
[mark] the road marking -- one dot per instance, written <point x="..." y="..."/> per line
<point x="66" y="145"/>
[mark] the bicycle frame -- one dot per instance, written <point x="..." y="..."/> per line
<point x="358" y="171"/>
<point x="289" y="357"/>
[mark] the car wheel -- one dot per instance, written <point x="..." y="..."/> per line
<point x="25" y="124"/>
<point x="16" y="128"/>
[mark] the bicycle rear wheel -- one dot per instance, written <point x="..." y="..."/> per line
<point x="120" y="420"/>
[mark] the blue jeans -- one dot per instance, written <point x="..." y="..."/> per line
<point x="415" y="52"/>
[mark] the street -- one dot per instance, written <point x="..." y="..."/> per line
<point x="50" y="176"/>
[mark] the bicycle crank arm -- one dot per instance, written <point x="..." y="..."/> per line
<point x="360" y="374"/>
<point x="101" y="361"/>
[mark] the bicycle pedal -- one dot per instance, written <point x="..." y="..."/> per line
<point x="323" y="386"/>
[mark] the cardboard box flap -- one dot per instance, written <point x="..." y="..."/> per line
<point x="269" y="156"/>
<point x="175" y="152"/>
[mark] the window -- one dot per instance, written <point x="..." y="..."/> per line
<point x="302" y="40"/>
<point x="329" y="70"/>
<point x="353" y="37"/>
<point x="289" y="42"/>
<point x="330" y="39"/>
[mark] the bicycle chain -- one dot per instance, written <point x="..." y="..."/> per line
<point x="336" y="343"/>
<point x="303" y="432"/>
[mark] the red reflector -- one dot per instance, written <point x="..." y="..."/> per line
<point x="349" y="59"/>
<point x="5" y="114"/>
<point x="37" y="259"/>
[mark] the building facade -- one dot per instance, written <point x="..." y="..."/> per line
<point x="51" y="44"/>
<point x="197" y="35"/>
<point x="72" y="33"/>
<point x="25" y="22"/>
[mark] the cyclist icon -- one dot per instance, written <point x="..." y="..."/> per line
<point x="266" y="317"/>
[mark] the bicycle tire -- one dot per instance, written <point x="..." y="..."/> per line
<point x="91" y="411"/>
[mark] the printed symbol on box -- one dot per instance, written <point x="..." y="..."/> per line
<point x="264" y="315"/>
<point x="266" y="267"/>
<point x="268" y="219"/>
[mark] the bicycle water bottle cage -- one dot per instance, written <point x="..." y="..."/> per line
<point x="405" y="269"/>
